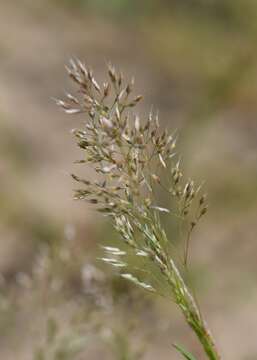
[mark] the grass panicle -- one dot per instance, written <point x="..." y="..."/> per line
<point x="136" y="159"/>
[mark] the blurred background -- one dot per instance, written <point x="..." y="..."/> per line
<point x="194" y="60"/>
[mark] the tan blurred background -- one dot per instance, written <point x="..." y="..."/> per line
<point x="196" y="61"/>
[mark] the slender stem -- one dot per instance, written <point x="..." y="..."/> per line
<point x="191" y="312"/>
<point x="183" y="297"/>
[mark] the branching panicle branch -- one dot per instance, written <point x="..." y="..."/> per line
<point x="131" y="157"/>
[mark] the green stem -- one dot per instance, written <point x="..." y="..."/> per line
<point x="191" y="312"/>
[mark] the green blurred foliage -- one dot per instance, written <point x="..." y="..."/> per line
<point x="229" y="12"/>
<point x="122" y="8"/>
<point x="209" y="46"/>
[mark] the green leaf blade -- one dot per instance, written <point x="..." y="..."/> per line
<point x="187" y="355"/>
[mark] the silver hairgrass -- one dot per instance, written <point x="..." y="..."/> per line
<point x="135" y="160"/>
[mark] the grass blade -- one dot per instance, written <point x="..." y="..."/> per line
<point x="187" y="355"/>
